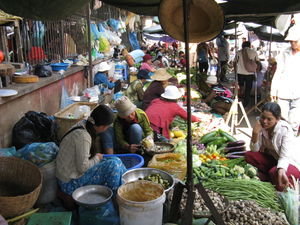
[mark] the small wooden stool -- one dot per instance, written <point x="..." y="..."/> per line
<point x="67" y="200"/>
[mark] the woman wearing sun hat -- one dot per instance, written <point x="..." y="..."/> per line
<point x="218" y="97"/>
<point x="131" y="125"/>
<point x="157" y="87"/>
<point x="102" y="76"/>
<point x="162" y="111"/>
<point x="147" y="63"/>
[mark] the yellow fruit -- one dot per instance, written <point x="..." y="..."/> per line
<point x="172" y="134"/>
<point x="178" y="133"/>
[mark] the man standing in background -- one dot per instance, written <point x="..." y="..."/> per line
<point x="285" y="87"/>
<point x="223" y="56"/>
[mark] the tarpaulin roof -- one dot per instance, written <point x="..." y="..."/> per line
<point x="259" y="11"/>
<point x="262" y="12"/>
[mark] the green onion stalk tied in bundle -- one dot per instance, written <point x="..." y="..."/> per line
<point x="263" y="193"/>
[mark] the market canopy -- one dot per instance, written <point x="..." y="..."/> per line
<point x="42" y="9"/>
<point x="262" y="12"/>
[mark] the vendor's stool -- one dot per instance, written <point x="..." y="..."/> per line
<point x="67" y="200"/>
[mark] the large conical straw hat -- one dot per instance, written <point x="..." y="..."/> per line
<point x="206" y="19"/>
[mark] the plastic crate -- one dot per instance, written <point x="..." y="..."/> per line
<point x="50" y="218"/>
<point x="130" y="161"/>
<point x="64" y="122"/>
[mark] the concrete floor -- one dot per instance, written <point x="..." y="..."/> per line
<point x="241" y="131"/>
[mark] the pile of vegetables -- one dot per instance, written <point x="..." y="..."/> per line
<point x="217" y="168"/>
<point x="247" y="212"/>
<point x="200" y="207"/>
<point x="219" y="138"/>
<point x="157" y="178"/>
<point x="263" y="193"/>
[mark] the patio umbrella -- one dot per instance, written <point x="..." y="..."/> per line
<point x="167" y="39"/>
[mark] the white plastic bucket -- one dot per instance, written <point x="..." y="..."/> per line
<point x="141" y="202"/>
<point x="49" y="184"/>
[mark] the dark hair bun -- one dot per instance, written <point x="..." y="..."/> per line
<point x="102" y="115"/>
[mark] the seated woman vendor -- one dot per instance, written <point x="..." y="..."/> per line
<point x="274" y="148"/>
<point x="135" y="91"/>
<point x="102" y="76"/>
<point x="131" y="125"/>
<point x="78" y="164"/>
<point x="163" y="110"/>
<point x="217" y="96"/>
<point x="157" y="87"/>
<point x="147" y="63"/>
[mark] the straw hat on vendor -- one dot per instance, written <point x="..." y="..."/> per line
<point x="160" y="122"/>
<point x="206" y="19"/>
<point x="161" y="75"/>
<point x="104" y="66"/>
<point x="157" y="87"/>
<point x="101" y="77"/>
<point x="131" y="125"/>
<point x="171" y="93"/>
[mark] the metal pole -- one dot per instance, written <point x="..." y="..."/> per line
<point x="188" y="78"/>
<point x="88" y="21"/>
<point x="62" y="40"/>
<point x="187" y="217"/>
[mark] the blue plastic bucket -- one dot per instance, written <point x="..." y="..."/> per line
<point x="130" y="161"/>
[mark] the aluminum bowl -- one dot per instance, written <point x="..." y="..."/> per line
<point x="140" y="173"/>
<point x="156" y="149"/>
<point x="92" y="196"/>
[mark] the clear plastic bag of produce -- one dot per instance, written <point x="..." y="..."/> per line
<point x="172" y="163"/>
<point x="38" y="153"/>
<point x="290" y="204"/>
<point x="7" y="152"/>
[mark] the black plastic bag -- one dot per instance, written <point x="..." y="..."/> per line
<point x="43" y="70"/>
<point x="34" y="127"/>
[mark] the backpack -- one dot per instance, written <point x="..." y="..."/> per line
<point x="250" y="64"/>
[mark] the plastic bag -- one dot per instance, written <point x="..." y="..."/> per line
<point x="7" y="152"/>
<point x="290" y="204"/>
<point x="95" y="31"/>
<point x="83" y="110"/>
<point x="65" y="98"/>
<point x="133" y="40"/>
<point x="38" y="153"/>
<point x="104" y="45"/>
<point x="106" y="214"/>
<point x="34" y="127"/>
<point x="172" y="163"/>
<point x="43" y="70"/>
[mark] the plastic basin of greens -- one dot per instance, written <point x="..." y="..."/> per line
<point x="141" y="173"/>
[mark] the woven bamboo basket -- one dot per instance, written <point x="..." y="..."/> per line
<point x="20" y="184"/>
<point x="64" y="122"/>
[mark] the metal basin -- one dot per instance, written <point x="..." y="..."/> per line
<point x="160" y="148"/>
<point x="140" y="173"/>
<point x="92" y="196"/>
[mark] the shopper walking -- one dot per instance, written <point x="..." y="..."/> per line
<point x="285" y="84"/>
<point x="246" y="78"/>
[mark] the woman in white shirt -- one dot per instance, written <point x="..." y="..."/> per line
<point x="274" y="149"/>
